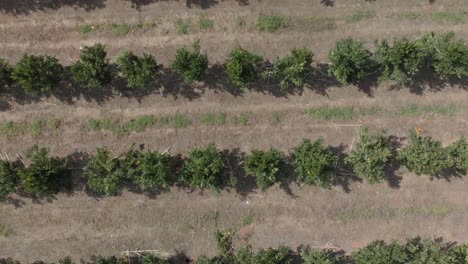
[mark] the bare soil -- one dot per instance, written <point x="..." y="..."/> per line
<point x="346" y="216"/>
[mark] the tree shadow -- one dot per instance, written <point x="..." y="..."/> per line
<point x="25" y="7"/>
<point x="330" y="3"/>
<point x="344" y="171"/>
<point x="286" y="177"/>
<point x="390" y="171"/>
<point x="428" y="81"/>
<point x="218" y="80"/>
<point x="367" y="85"/>
<point x="203" y="4"/>
<point x="321" y="81"/>
<point x="173" y="85"/>
<point x="244" y="185"/>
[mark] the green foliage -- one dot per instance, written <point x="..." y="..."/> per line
<point x="92" y="70"/>
<point x="204" y="168"/>
<point x="213" y="119"/>
<point x="139" y="71"/>
<point x="360" y="15"/>
<point x="38" y="74"/>
<point x="192" y="66"/>
<point x="424" y="155"/>
<point x="153" y="170"/>
<point x="182" y="25"/>
<point x="350" y="60"/>
<point x="447" y="57"/>
<point x="241" y="67"/>
<point x="370" y="155"/>
<point x="399" y="62"/>
<point x="264" y="166"/>
<point x="223" y="239"/>
<point x="318" y="257"/>
<point x="459" y="153"/>
<point x="205" y="24"/>
<point x="5" y="74"/>
<point x="8" y="178"/>
<point x="314" y="164"/>
<point x="380" y="253"/>
<point x="330" y="113"/>
<point x="45" y="175"/>
<point x="272" y="256"/>
<point x="271" y="23"/>
<point x="106" y="175"/>
<point x="65" y="260"/>
<point x="292" y="70"/>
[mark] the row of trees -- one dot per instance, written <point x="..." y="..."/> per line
<point x="206" y="167"/>
<point x="350" y="62"/>
<point x="414" y="251"/>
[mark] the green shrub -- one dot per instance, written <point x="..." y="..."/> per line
<point x="424" y="155"/>
<point x="350" y="61"/>
<point x="241" y="67"/>
<point x="65" y="260"/>
<point x="314" y="164"/>
<point x="192" y="66"/>
<point x="5" y="74"/>
<point x="139" y="71"/>
<point x="204" y="168"/>
<point x="272" y="256"/>
<point x="370" y="156"/>
<point x="447" y="57"/>
<point x="45" y="175"/>
<point x="264" y="166"/>
<point x="106" y="175"/>
<point x="380" y="253"/>
<point x="399" y="62"/>
<point x="38" y="75"/>
<point x="153" y="170"/>
<point x="8" y="178"/>
<point x="459" y="154"/>
<point x="92" y="70"/>
<point x="271" y="23"/>
<point x="292" y="70"/>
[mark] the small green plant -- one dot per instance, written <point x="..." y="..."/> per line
<point x="85" y="29"/>
<point x="5" y="74"/>
<point x="319" y="23"/>
<point x="223" y="239"/>
<point x="6" y="231"/>
<point x="370" y="155"/>
<point x="106" y="174"/>
<point x="139" y="71"/>
<point x="360" y="15"/>
<point x="38" y="75"/>
<point x="179" y="120"/>
<point x="380" y="253"/>
<point x="264" y="166"/>
<point x="205" y="168"/>
<point x="92" y="70"/>
<point x="205" y="24"/>
<point x="240" y="22"/>
<point x="411" y="15"/>
<point x="414" y="110"/>
<point x="120" y="29"/>
<point x="8" y="178"/>
<point x="45" y="175"/>
<point x="276" y="118"/>
<point x="350" y="61"/>
<point x="242" y="67"/>
<point x="424" y="155"/>
<point x="292" y="70"/>
<point x="271" y="23"/>
<point x="182" y="25"/>
<point x="243" y="119"/>
<point x="449" y="17"/>
<point x="192" y="66"/>
<point x="214" y="119"/>
<point x="313" y="163"/>
<point x="330" y="113"/>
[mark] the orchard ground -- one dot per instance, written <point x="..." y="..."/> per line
<point x="346" y="217"/>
